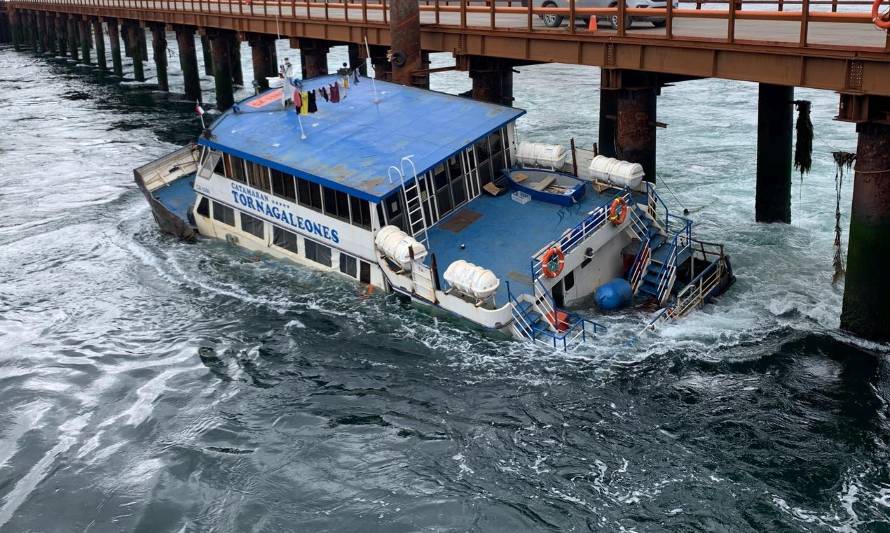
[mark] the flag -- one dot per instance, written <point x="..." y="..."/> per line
<point x="198" y="109"/>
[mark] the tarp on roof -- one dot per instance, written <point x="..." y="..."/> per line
<point x="350" y="145"/>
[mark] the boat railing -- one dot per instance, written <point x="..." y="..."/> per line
<point x="640" y="264"/>
<point x="573" y="237"/>
<point x="680" y="242"/>
<point x="694" y="294"/>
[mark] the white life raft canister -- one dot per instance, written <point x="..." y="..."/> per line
<point x="617" y="172"/>
<point x="397" y="246"/>
<point x="541" y="155"/>
<point x="472" y="280"/>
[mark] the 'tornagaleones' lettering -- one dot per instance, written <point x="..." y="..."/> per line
<point x="273" y="211"/>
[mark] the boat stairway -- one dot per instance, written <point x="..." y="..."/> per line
<point x="533" y="320"/>
<point x="661" y="249"/>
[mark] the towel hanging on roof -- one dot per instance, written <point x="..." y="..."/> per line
<point x="335" y="92"/>
<point x="312" y="105"/>
<point x="304" y="104"/>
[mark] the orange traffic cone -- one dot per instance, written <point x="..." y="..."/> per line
<point x="592" y="26"/>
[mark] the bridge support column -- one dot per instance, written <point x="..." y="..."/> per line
<point x="133" y="32"/>
<point x="208" y="55"/>
<point x="73" y="33"/>
<point x="114" y="40"/>
<point x="492" y="80"/>
<point x="15" y="29"/>
<point x="4" y="27"/>
<point x="143" y="47"/>
<point x="866" y="305"/>
<point x="263" y="57"/>
<point x="608" y="112"/>
<point x="43" y="41"/>
<point x="85" y="38"/>
<point x="357" y="60"/>
<point x="188" y="62"/>
<point x="159" y="50"/>
<point x="100" y="44"/>
<point x="381" y="64"/>
<point x="407" y="57"/>
<point x="49" y="22"/>
<point x="221" y="44"/>
<point x="635" y="122"/>
<point x="235" y="61"/>
<point x="313" y="57"/>
<point x="775" y="127"/>
<point x="61" y="35"/>
<point x="33" y="33"/>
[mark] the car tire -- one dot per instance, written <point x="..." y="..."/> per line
<point x="659" y="23"/>
<point x="614" y="21"/>
<point x="551" y="21"/>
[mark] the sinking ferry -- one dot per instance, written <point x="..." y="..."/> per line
<point x="432" y="197"/>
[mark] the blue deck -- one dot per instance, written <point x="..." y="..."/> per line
<point x="350" y="145"/>
<point x="178" y="196"/>
<point x="507" y="233"/>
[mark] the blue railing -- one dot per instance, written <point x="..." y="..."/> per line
<point x="679" y="243"/>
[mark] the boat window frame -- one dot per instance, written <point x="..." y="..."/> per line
<point x="213" y="156"/>
<point x="315" y="246"/>
<point x="253" y="220"/>
<point x="203" y="207"/>
<point x="285" y="178"/>
<point x="363" y="220"/>
<point x="307" y="204"/>
<point x="345" y="262"/>
<point x="335" y="210"/>
<point x="230" y="166"/>
<point x="264" y="180"/>
<point x="288" y="235"/>
<point x="224" y="209"/>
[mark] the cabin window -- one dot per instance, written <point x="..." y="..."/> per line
<point x="336" y="203"/>
<point x="361" y="212"/>
<point x="283" y="185"/>
<point x="348" y="265"/>
<point x="394" y="210"/>
<point x="212" y="163"/>
<point x="482" y="150"/>
<point x="219" y="168"/>
<point x="364" y="272"/>
<point x="235" y="168"/>
<point x="458" y="181"/>
<point x="319" y="253"/>
<point x="380" y="218"/>
<point x="204" y="207"/>
<point x="284" y="239"/>
<point x="258" y="178"/>
<point x="253" y="225"/>
<point x="309" y="194"/>
<point x="569" y="281"/>
<point x="224" y="214"/>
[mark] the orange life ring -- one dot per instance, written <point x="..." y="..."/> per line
<point x="553" y="255"/>
<point x="880" y="21"/>
<point x="617" y="211"/>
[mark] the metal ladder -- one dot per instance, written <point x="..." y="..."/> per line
<point x="417" y="223"/>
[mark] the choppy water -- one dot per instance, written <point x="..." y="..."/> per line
<point x="151" y="385"/>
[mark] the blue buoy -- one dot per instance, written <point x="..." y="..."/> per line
<point x="613" y="295"/>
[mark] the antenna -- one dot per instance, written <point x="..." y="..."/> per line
<point x="373" y="80"/>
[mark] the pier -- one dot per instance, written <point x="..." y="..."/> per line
<point x="781" y="44"/>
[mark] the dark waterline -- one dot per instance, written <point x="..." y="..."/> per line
<point x="151" y="385"/>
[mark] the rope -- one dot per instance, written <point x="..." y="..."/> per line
<point x="677" y="198"/>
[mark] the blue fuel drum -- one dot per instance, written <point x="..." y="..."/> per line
<point x="613" y="295"/>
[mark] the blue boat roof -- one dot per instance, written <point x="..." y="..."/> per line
<point x="350" y="145"/>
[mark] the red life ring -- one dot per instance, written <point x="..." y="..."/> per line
<point x="617" y="211"/>
<point x="881" y="21"/>
<point x="553" y="255"/>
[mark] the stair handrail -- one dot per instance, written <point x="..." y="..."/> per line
<point x="669" y="266"/>
<point x="526" y="329"/>
<point x="641" y="261"/>
<point x="549" y="304"/>
<point x="408" y="159"/>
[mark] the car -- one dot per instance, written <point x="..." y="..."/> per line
<point x="555" y="21"/>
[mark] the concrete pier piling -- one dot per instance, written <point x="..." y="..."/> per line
<point x="407" y="56"/>
<point x="114" y="41"/>
<point x="866" y="305"/>
<point x="159" y="51"/>
<point x="235" y="61"/>
<point x="61" y="35"/>
<point x="85" y="38"/>
<point x="263" y="57"/>
<point x="492" y="79"/>
<point x="133" y="32"/>
<point x="775" y="127"/>
<point x="43" y="37"/>
<point x="208" y="55"/>
<point x="220" y="45"/>
<point x="143" y="46"/>
<point x="15" y="30"/>
<point x="313" y="57"/>
<point x="635" y="127"/>
<point x="33" y="35"/>
<point x="188" y="61"/>
<point x="52" y="38"/>
<point x="73" y="32"/>
<point x="101" y="60"/>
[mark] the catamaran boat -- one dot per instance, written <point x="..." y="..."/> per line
<point x="431" y="196"/>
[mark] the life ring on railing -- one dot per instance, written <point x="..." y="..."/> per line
<point x="617" y="211"/>
<point x="881" y="21"/>
<point x="552" y="262"/>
